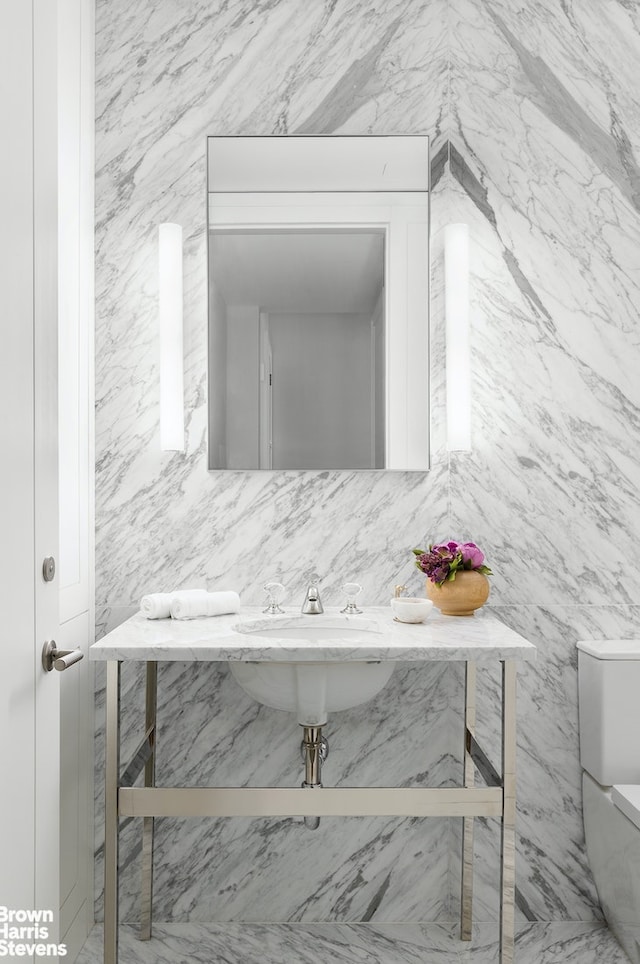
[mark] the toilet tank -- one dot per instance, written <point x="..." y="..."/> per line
<point x="609" y="709"/>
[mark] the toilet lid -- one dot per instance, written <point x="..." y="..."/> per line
<point x="610" y="648"/>
<point x="627" y="799"/>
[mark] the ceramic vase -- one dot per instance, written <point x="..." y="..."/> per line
<point x="460" y="596"/>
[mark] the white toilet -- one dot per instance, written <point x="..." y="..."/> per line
<point x="609" y="707"/>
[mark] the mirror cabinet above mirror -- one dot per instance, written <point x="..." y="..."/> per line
<point x="318" y="285"/>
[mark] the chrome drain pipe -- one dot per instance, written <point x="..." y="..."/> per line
<point x="315" y="750"/>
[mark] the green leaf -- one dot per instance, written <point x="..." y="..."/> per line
<point x="418" y="552"/>
<point x="452" y="575"/>
<point x="485" y="570"/>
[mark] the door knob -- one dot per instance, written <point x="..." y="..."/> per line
<point x="60" y="659"/>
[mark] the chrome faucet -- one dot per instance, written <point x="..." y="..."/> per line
<point x="312" y="604"/>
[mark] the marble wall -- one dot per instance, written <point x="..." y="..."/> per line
<point x="545" y="142"/>
<point x="535" y="132"/>
<point x="168" y="74"/>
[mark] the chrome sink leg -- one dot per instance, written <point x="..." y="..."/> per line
<point x="508" y="829"/>
<point x="146" y="894"/>
<point x="112" y="776"/>
<point x="466" y="903"/>
<point x="315" y="750"/>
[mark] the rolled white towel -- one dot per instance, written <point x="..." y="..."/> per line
<point x="201" y="603"/>
<point x="157" y="605"/>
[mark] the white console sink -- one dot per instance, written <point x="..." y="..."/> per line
<point x="312" y="689"/>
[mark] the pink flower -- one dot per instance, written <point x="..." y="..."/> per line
<point x="444" y="559"/>
<point x="446" y="548"/>
<point x="472" y="557"/>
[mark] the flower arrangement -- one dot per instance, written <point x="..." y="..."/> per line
<point x="442" y="561"/>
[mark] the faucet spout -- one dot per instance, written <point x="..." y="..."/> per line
<point x="312" y="604"/>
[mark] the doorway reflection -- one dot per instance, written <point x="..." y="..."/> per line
<point x="297" y="348"/>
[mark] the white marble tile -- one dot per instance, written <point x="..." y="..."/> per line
<point x="168" y="75"/>
<point x="561" y="943"/>
<point x="278" y="944"/>
<point x="183" y="522"/>
<point x="565" y="942"/>
<point x="545" y="129"/>
<point x="539" y="102"/>
<point x="546" y="161"/>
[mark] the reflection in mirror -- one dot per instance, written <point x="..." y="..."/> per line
<point x="304" y="272"/>
<point x="315" y="301"/>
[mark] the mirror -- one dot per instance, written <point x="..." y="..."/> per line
<point x="318" y="302"/>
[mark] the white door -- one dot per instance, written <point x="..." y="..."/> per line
<point x="75" y="350"/>
<point x="29" y="697"/>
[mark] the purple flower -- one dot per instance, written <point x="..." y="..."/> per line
<point x="438" y="562"/>
<point x="443" y="560"/>
<point x="446" y="547"/>
<point x="472" y="557"/>
<point x="439" y="574"/>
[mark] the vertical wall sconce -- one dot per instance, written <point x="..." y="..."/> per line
<point x="171" y="345"/>
<point x="458" y="354"/>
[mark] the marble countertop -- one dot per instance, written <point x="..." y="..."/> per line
<point x="214" y="639"/>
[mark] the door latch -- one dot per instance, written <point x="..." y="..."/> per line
<point x="49" y="569"/>
<point x="60" y="659"/>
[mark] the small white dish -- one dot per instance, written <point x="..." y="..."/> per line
<point x="411" y="609"/>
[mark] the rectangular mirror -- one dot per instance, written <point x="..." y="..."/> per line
<point x="318" y="302"/>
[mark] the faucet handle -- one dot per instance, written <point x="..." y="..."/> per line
<point x="275" y="594"/>
<point x="351" y="591"/>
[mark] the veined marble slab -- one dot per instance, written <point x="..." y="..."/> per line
<point x="371" y="943"/>
<point x="215" y="639"/>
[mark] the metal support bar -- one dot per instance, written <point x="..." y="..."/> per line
<point x="112" y="771"/>
<point x="146" y="893"/>
<point x="298" y="802"/>
<point x="508" y="829"/>
<point x="482" y="763"/>
<point x="466" y="882"/>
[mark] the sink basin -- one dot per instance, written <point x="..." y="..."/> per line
<point x="312" y="689"/>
